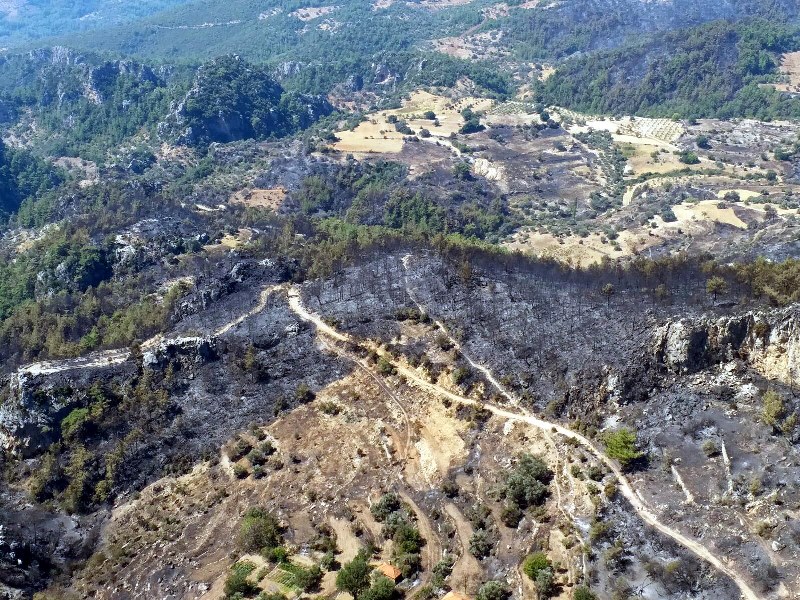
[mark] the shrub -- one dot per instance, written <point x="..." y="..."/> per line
<point x="308" y="579"/>
<point x="710" y="448"/>
<point x="385" y="366"/>
<point x="527" y="484"/>
<point x="460" y="375"/>
<point x="267" y="447"/>
<point x="330" y="408"/>
<point x="259" y="530"/>
<point x="329" y="562"/>
<point x="599" y="531"/>
<point x="303" y="394"/>
<point x="621" y="446"/>
<point x="408" y="563"/>
<point x="75" y="422"/>
<point x="535" y="563"/>
<point x="354" y="576"/>
<point x="382" y="589"/>
<point x="240" y="448"/>
<point x="583" y="593"/>
<point x="237" y="583"/>
<point x="387" y="504"/>
<point x="493" y="590"/>
<point x="444" y="567"/>
<point x="479" y="544"/>
<point x="407" y="539"/>
<point x="774" y="408"/>
<point x="512" y="515"/>
<point x="472" y="125"/>
<point x="595" y="472"/>
<point x="256" y="457"/>
<point x="545" y="583"/>
<point x="450" y="488"/>
<point x="402" y="127"/>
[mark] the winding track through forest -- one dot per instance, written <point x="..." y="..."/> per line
<point x="106" y="358"/>
<point x="624" y="486"/>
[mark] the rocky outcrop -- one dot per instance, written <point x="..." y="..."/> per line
<point x="39" y="399"/>
<point x="35" y="543"/>
<point x="232" y="100"/>
<point x="188" y="351"/>
<point x="41" y="395"/>
<point x="761" y="338"/>
<point x="65" y="75"/>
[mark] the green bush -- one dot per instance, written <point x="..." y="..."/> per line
<point x="74" y="422"/>
<point x="237" y="583"/>
<point x="621" y="446"/>
<point x="259" y="530"/>
<point x="583" y="593"/>
<point x="689" y="158"/>
<point x="527" y="484"/>
<point x="385" y="366"/>
<point x="480" y="546"/>
<point x="308" y="579"/>
<point x="354" y="577"/>
<point x="381" y="589"/>
<point x="387" y="504"/>
<point x="493" y="590"/>
<point x="535" y="563"/>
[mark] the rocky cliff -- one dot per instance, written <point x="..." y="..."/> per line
<point x="41" y="395"/>
<point x="768" y="340"/>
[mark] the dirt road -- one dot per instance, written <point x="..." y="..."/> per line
<point x="624" y="486"/>
<point x="295" y="303"/>
<point x="118" y="356"/>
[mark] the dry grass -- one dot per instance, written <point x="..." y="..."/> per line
<point x="635" y="130"/>
<point x="790" y="69"/>
<point x="271" y="198"/>
<point x="641" y="161"/>
<point x="377" y="135"/>
<point x="568" y="249"/>
<point x="231" y="242"/>
<point x="707" y="210"/>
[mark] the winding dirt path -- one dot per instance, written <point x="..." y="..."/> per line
<point x="295" y="303"/>
<point x="432" y="550"/>
<point x="467" y="565"/>
<point x="105" y="358"/>
<point x="624" y="486"/>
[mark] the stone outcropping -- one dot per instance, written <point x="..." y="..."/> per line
<point x="769" y="341"/>
<point x="39" y="398"/>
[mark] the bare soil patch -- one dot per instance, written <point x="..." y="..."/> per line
<point x="313" y="12"/>
<point x="790" y="69"/>
<point x="262" y="198"/>
<point x="377" y="135"/>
